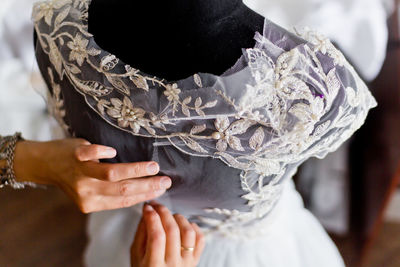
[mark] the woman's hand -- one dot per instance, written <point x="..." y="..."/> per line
<point x="73" y="165"/>
<point x="161" y="238"/>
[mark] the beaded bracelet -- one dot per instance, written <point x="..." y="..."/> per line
<point x="7" y="153"/>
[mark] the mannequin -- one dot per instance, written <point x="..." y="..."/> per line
<point x="174" y="39"/>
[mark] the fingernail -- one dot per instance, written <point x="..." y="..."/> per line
<point x="153" y="168"/>
<point x="165" y="182"/>
<point x="148" y="207"/>
<point x="109" y="151"/>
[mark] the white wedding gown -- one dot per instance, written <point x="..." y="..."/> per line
<point x="294" y="238"/>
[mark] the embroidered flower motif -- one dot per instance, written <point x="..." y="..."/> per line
<point x="46" y="10"/>
<point x="78" y="49"/>
<point x="226" y="133"/>
<point x="127" y="115"/>
<point x="172" y="92"/>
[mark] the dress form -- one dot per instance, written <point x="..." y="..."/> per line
<point x="174" y="39"/>
<point x="107" y="102"/>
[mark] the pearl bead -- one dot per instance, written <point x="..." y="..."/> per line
<point x="216" y="135"/>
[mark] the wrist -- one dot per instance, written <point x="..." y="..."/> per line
<point x="28" y="162"/>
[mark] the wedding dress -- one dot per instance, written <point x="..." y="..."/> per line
<point x="231" y="143"/>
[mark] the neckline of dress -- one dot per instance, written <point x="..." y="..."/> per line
<point x="92" y="40"/>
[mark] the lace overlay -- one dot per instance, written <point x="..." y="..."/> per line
<point x="277" y="107"/>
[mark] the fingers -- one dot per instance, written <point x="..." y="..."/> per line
<point x="166" y="235"/>
<point x="188" y="234"/>
<point x="118" y="172"/>
<point x="200" y="243"/>
<point x="139" y="243"/>
<point x="94" y="152"/>
<point x="171" y="228"/>
<point x="156" y="239"/>
<point x="135" y="186"/>
<point x="99" y="203"/>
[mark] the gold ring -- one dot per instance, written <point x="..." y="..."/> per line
<point x="187" y="249"/>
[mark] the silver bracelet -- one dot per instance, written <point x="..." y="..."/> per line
<point x="7" y="153"/>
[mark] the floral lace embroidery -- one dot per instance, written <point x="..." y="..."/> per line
<point x="55" y="104"/>
<point x="278" y="119"/>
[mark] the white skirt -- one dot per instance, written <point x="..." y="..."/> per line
<point x="294" y="238"/>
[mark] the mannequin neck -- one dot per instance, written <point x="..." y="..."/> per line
<point x="195" y="35"/>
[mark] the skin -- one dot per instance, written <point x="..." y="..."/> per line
<point x="73" y="165"/>
<point x="159" y="238"/>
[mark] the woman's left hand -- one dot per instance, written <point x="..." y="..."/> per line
<point x="166" y="240"/>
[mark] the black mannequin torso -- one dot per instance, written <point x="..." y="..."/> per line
<point x="176" y="38"/>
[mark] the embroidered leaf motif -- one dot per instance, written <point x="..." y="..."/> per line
<point x="321" y="129"/>
<point x="74" y="69"/>
<point x="198" y="129"/>
<point x="286" y="62"/>
<point x="62" y="15"/>
<point x="187" y="100"/>
<point x="117" y="103"/>
<point x="149" y="129"/>
<point x="257" y="139"/>
<point x="92" y="88"/>
<point x="267" y="167"/>
<point x="332" y="83"/>
<point x="234" y="143"/>
<point x="118" y="84"/>
<point x="93" y="51"/>
<point x="222" y="145"/>
<point x="197" y="80"/>
<point x="240" y="127"/>
<point x="101" y="104"/>
<point x="210" y="104"/>
<point x="140" y="82"/>
<point x="193" y="144"/>
<point x="232" y="161"/>
<point x="55" y="58"/>
<point x="345" y="121"/>
<point x="317" y="107"/>
<point x="200" y="112"/>
<point x="185" y="110"/>
<point x="159" y="125"/>
<point x="198" y="102"/>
